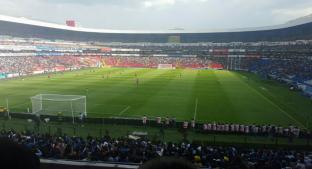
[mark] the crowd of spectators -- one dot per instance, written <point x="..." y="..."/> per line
<point x="291" y="59"/>
<point x="27" y="65"/>
<point x="153" y="62"/>
<point x="15" y="64"/>
<point x="128" y="150"/>
<point x="296" y="69"/>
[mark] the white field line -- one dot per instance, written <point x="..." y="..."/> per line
<point x="195" y="111"/>
<point x="278" y="107"/>
<point x="124" y="110"/>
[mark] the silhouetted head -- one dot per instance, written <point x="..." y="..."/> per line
<point x="15" y="156"/>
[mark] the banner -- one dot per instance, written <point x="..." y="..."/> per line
<point x="3" y="75"/>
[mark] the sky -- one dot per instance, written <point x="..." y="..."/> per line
<point x="160" y="14"/>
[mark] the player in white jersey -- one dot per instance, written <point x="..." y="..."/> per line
<point x="226" y="127"/>
<point x="222" y="127"/>
<point x="296" y="132"/>
<point x="205" y="127"/>
<point x="144" y="120"/>
<point x="236" y="127"/>
<point x="158" y="120"/>
<point x="185" y="125"/>
<point x="256" y="129"/>
<point x="286" y="131"/>
<point x="241" y="128"/>
<point x="232" y="128"/>
<point x="253" y="128"/>
<point x="280" y="130"/>
<point x="193" y="123"/>
<point x="264" y="129"/>
<point x="246" y="129"/>
<point x="209" y="127"/>
<point x="218" y="127"/>
<point x="167" y="121"/>
<point x="214" y="126"/>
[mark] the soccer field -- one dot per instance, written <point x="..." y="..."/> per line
<point x="206" y="95"/>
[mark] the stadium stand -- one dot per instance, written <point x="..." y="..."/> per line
<point x="283" y="54"/>
<point x="26" y="28"/>
<point x="284" y="61"/>
<point x="124" y="150"/>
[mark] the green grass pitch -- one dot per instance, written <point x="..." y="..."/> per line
<point x="206" y="95"/>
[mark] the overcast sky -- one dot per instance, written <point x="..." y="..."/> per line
<point x="160" y="14"/>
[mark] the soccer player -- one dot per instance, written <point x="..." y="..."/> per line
<point x="209" y="127"/>
<point x="256" y="130"/>
<point x="296" y="132"/>
<point x="222" y="127"/>
<point x="158" y="120"/>
<point x="236" y="128"/>
<point x="167" y="121"/>
<point x="174" y="120"/>
<point x="193" y="123"/>
<point x="185" y="125"/>
<point x="246" y="129"/>
<point x="280" y="130"/>
<point x="227" y="127"/>
<point x="218" y="127"/>
<point x="144" y="120"/>
<point x="232" y="128"/>
<point x="241" y="128"/>
<point x="137" y="82"/>
<point x="214" y="126"/>
<point x="81" y="118"/>
<point x="264" y="129"/>
<point x="37" y="121"/>
<point x="286" y="131"/>
<point x="205" y="127"/>
<point x="60" y="116"/>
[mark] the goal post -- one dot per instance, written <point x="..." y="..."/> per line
<point x="165" y="66"/>
<point x="52" y="104"/>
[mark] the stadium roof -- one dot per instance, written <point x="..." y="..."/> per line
<point x="23" y="20"/>
<point x="297" y="29"/>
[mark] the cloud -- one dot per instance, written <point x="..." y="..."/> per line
<point x="292" y="13"/>
<point x="94" y="2"/>
<point x="160" y="14"/>
<point x="153" y="3"/>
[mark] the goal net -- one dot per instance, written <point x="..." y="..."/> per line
<point x="165" y="66"/>
<point x="53" y="104"/>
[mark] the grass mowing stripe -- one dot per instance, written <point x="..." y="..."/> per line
<point x="223" y="97"/>
<point x="278" y="107"/>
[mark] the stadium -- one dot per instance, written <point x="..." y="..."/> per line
<point x="161" y="93"/>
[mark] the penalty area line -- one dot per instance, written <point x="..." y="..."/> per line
<point x="124" y="110"/>
<point x="277" y="106"/>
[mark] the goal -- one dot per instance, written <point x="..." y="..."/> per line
<point x="52" y="104"/>
<point x="165" y="66"/>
